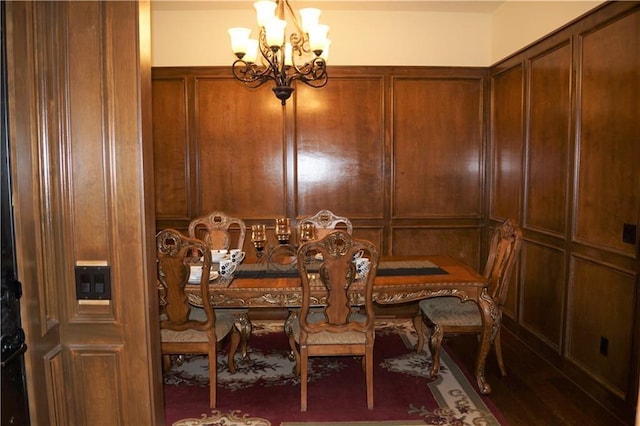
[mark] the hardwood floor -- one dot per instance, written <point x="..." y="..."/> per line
<point x="533" y="392"/>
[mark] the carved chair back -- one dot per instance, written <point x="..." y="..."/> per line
<point x="336" y="272"/>
<point x="326" y="222"/>
<point x="503" y="254"/>
<point x="214" y="229"/>
<point x="174" y="252"/>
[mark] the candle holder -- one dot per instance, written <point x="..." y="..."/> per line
<point x="307" y="232"/>
<point x="258" y="237"/>
<point x="281" y="256"/>
<point x="283" y="230"/>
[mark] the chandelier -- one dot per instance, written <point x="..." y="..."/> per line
<point x="280" y="55"/>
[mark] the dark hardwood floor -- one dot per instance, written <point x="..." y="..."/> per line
<point x="533" y="392"/>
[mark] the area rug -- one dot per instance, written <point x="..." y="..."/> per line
<point x="264" y="391"/>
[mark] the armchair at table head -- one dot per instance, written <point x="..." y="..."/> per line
<point x="185" y="329"/>
<point x="336" y="329"/>
<point x="326" y="222"/>
<point x="449" y="314"/>
<point x="214" y="229"/>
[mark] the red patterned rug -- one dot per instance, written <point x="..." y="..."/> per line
<point x="264" y="392"/>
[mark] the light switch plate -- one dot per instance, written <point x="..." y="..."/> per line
<point x="93" y="281"/>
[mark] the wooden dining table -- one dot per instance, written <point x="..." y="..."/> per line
<point x="398" y="280"/>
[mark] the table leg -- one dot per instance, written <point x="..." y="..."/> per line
<point x="491" y="324"/>
<point x="243" y="325"/>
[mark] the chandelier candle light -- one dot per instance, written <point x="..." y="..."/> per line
<point x="279" y="55"/>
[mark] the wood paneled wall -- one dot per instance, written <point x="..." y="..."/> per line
<point x="565" y="120"/>
<point x="79" y="80"/>
<point x="398" y="150"/>
<point x="404" y="151"/>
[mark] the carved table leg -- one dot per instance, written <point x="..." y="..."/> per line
<point x="293" y="354"/>
<point x="243" y="325"/>
<point x="491" y="323"/>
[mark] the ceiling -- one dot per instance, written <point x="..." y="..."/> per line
<point x="477" y="6"/>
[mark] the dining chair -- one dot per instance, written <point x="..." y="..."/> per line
<point x="335" y="329"/>
<point x="214" y="229"/>
<point x="326" y="221"/>
<point x="452" y="315"/>
<point x="185" y="329"/>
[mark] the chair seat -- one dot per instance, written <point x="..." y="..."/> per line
<point x="451" y="311"/>
<point x="224" y="323"/>
<point x="326" y="337"/>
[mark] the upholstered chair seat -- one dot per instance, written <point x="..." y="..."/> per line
<point x="452" y="311"/>
<point x="224" y="324"/>
<point x="327" y="337"/>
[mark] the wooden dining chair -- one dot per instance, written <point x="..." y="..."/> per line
<point x="335" y="329"/>
<point x="452" y="315"/>
<point x="185" y="329"/>
<point x="326" y="221"/>
<point x="215" y="229"/>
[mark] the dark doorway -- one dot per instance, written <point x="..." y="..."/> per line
<point x="15" y="408"/>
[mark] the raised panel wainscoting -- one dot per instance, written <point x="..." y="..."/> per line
<point x="428" y="159"/>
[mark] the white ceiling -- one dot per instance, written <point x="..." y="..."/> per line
<point x="477" y="6"/>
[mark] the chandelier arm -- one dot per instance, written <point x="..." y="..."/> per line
<point x="313" y="73"/>
<point x="274" y="67"/>
<point x="250" y="75"/>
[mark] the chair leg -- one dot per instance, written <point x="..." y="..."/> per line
<point x="166" y="363"/>
<point x="233" y="347"/>
<point x="435" y="341"/>
<point x="296" y="355"/>
<point x="498" y="348"/>
<point x="369" y="376"/>
<point x="418" y="324"/>
<point x="304" y="370"/>
<point x="212" y="375"/>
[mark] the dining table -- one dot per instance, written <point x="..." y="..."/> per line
<point x="399" y="279"/>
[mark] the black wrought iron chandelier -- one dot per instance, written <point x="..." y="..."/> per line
<point x="278" y="55"/>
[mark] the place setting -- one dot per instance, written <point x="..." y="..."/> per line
<point x="224" y="264"/>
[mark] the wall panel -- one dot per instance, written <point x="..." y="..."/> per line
<point x="602" y="313"/>
<point x="437" y="147"/>
<point x="100" y="400"/>
<point x="609" y="125"/>
<point x="462" y="243"/>
<point x="340" y="147"/>
<point x="542" y="288"/>
<point x="506" y="143"/>
<point x="172" y="171"/>
<point x="240" y="149"/>
<point x="548" y="168"/>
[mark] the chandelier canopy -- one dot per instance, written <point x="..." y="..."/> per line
<point x="286" y="49"/>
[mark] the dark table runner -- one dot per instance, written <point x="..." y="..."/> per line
<point x="385" y="269"/>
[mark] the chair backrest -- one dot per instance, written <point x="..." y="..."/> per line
<point x="174" y="253"/>
<point x="325" y="222"/>
<point x="504" y="251"/>
<point x="336" y="273"/>
<point x="214" y="230"/>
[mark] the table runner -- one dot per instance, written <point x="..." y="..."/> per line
<point x="385" y="268"/>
